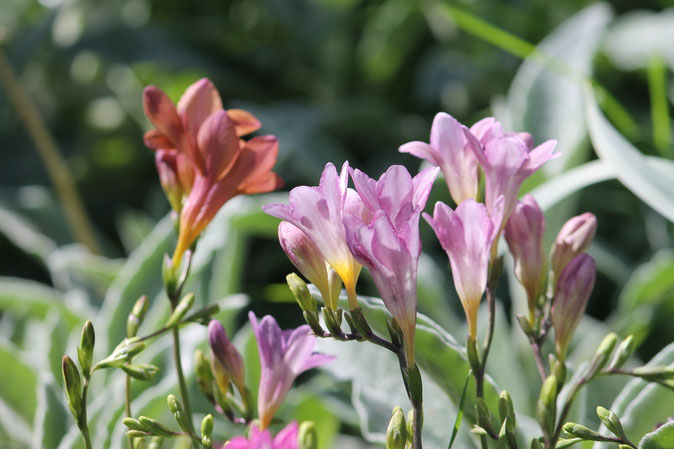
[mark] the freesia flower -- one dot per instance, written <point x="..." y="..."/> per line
<point x="574" y="238"/>
<point x="388" y="242"/>
<point x="304" y="254"/>
<point x="524" y="234"/>
<point x="284" y="355"/>
<point x="318" y="212"/>
<point x="573" y="291"/>
<point x="467" y="235"/>
<point x="208" y="136"/>
<point x="261" y="439"/>
<point x="226" y="362"/>
<point x="507" y="161"/>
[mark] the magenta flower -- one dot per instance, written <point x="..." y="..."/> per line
<point x="467" y="235"/>
<point x="573" y="291"/>
<point x="307" y="258"/>
<point x="284" y="355"/>
<point x="261" y="439"/>
<point x="524" y="234"/>
<point x="507" y="161"/>
<point x="318" y="212"/>
<point x="226" y="362"/>
<point x="574" y="238"/>
<point x="386" y="240"/>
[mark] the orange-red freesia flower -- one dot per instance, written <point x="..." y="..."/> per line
<point x="201" y="157"/>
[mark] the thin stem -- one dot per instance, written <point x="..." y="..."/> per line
<point x="82" y="423"/>
<point x="491" y="306"/>
<point x="163" y="330"/>
<point x="538" y="357"/>
<point x="567" y="408"/>
<point x="127" y="403"/>
<point x="183" y="386"/>
<point x="57" y="169"/>
<point x="417" y="425"/>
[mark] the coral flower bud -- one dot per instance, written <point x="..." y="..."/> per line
<point x="574" y="238"/>
<point x="573" y="291"/>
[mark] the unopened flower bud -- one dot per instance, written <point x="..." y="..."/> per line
<point x="73" y="383"/>
<point x="536" y="444"/>
<point x="574" y="238"/>
<point x="207" y="426"/>
<point x="136" y="316"/>
<point x="181" y="309"/>
<point x="623" y="352"/>
<point x="410" y="426"/>
<point x="573" y="291"/>
<point x="134" y="424"/>
<point x="505" y="407"/>
<point x="602" y="354"/>
<point x="313" y="321"/>
<point x="226" y="362"/>
<point x="85" y="351"/>
<point x="141" y="371"/>
<point x="167" y="168"/>
<point x="484" y="417"/>
<point x="396" y="434"/>
<point x="178" y="414"/>
<point x="583" y="432"/>
<point x="301" y="293"/>
<point x="546" y="406"/>
<point x="307" y="438"/>
<point x="205" y="378"/>
<point x="307" y="258"/>
<point x="524" y="234"/>
<point x="169" y="276"/>
<point x="124" y="351"/>
<point x="612" y="422"/>
<point x="155" y="427"/>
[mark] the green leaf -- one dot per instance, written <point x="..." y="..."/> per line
<point x="52" y="415"/>
<point x="24" y="235"/>
<point x="18" y="388"/>
<point x="663" y="438"/>
<point x="651" y="184"/>
<point x="548" y="104"/>
<point x="22" y="298"/>
<point x="459" y="412"/>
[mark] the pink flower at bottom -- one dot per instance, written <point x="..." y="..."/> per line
<point x="261" y="439"/>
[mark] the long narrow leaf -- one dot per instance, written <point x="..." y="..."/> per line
<point x="459" y="413"/>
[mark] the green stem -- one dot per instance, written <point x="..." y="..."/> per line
<point x="127" y="402"/>
<point x="182" y="385"/>
<point x="657" y="86"/>
<point x="82" y="422"/>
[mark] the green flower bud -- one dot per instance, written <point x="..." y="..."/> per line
<point x="559" y="370"/>
<point x="546" y="407"/>
<point x="181" y="309"/>
<point x="410" y="426"/>
<point x="306" y="436"/>
<point x="564" y="443"/>
<point x="155" y="427"/>
<point x="396" y="434"/>
<point x="612" y="422"/>
<point x="141" y="371"/>
<point x="536" y="444"/>
<point x="583" y="432"/>
<point x="301" y="293"/>
<point x="136" y="316"/>
<point x="333" y="321"/>
<point x="623" y="352"/>
<point x="134" y="424"/>
<point x="73" y="383"/>
<point x="505" y="407"/>
<point x="85" y="351"/>
<point x="603" y="353"/>
<point x="177" y="411"/>
<point x="135" y="433"/>
<point x="473" y="357"/>
<point x="524" y="324"/>
<point x="205" y="314"/>
<point x="314" y="323"/>
<point x="124" y="352"/>
<point x="484" y="416"/>
<point x="207" y="426"/>
<point x="169" y="276"/>
<point x="205" y="379"/>
<point x="394" y="332"/>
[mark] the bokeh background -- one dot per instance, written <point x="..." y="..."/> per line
<point x="335" y="80"/>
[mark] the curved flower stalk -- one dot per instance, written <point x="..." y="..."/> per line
<point x="318" y="212"/>
<point x="524" y="234"/>
<point x="212" y="163"/>
<point x="467" y="235"/>
<point x="284" y="355"/>
<point x="573" y="291"/>
<point x="507" y="161"/>
<point x="388" y="243"/>
<point x="307" y="258"/>
<point x="262" y="439"/>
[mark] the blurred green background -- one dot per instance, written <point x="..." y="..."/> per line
<point x="334" y="80"/>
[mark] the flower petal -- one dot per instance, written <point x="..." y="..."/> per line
<point x="218" y="144"/>
<point x="200" y="100"/>
<point x="162" y="113"/>
<point x="245" y="122"/>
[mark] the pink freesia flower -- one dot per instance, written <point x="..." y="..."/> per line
<point x="524" y="234"/>
<point x="318" y="212"/>
<point x="574" y="238"/>
<point x="208" y="136"/>
<point x="386" y="240"/>
<point x="284" y="355"/>
<point x="467" y="235"/>
<point x="507" y="161"/>
<point x="261" y="439"/>
<point x="573" y="291"/>
<point x="226" y="362"/>
<point x="304" y="254"/>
